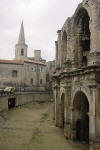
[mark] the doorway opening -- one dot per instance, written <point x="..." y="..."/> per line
<point x="11" y="102"/>
<point x="81" y="110"/>
<point x="83" y="36"/>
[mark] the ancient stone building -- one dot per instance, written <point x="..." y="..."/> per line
<point x="50" y="68"/>
<point x="76" y="81"/>
<point x="23" y="71"/>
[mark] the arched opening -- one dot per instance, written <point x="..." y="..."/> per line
<point x="64" y="48"/>
<point x="62" y="110"/>
<point x="22" y="52"/>
<point x="82" y="37"/>
<point x="81" y="118"/>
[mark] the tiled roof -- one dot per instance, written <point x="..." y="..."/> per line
<point x="34" y="62"/>
<point x="20" y="62"/>
<point x="17" y="62"/>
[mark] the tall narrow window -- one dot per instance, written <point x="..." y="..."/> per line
<point x="40" y="81"/>
<point x="41" y="69"/>
<point x="22" y="52"/>
<point x="34" y="69"/>
<point x="14" y="73"/>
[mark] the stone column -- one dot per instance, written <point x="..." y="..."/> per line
<point x="54" y="98"/>
<point x="74" y="53"/>
<point x="56" y="47"/>
<point x="92" y="117"/>
<point x="94" y="58"/>
<point x="72" y="127"/>
<point x="67" y="127"/>
<point x="80" y="51"/>
<point x="94" y="121"/>
<point x="57" y="110"/>
<point x="68" y="52"/>
<point x="59" y="48"/>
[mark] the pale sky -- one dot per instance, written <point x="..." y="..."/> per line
<point x="41" y="18"/>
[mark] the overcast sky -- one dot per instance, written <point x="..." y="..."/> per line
<point x="42" y="19"/>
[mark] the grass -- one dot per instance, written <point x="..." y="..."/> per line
<point x="36" y="132"/>
<point x="44" y="117"/>
<point x="4" y="114"/>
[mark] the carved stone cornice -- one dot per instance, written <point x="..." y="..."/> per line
<point x="94" y="86"/>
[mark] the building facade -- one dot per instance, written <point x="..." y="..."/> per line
<point x="76" y="81"/>
<point x="50" y="68"/>
<point x="23" y="71"/>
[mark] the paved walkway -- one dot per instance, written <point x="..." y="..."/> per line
<point x="30" y="127"/>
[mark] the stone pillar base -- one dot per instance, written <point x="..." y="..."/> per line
<point x="73" y="134"/>
<point x="94" y="58"/>
<point x="94" y="146"/>
<point x="58" y="122"/>
<point x="69" y="133"/>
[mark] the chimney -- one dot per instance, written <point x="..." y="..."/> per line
<point x="37" y="54"/>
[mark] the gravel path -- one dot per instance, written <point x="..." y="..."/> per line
<point x="31" y="127"/>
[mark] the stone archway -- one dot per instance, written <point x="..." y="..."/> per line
<point x="80" y="116"/>
<point x="82" y="37"/>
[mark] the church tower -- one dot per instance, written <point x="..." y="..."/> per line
<point x="21" y="47"/>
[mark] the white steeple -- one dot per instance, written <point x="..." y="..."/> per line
<point x="21" y="39"/>
<point x="21" y="47"/>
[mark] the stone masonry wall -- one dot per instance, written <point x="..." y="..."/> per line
<point x="25" y="98"/>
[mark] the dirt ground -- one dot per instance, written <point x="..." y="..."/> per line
<point x="31" y="127"/>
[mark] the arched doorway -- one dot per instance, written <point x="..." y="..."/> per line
<point x="62" y="110"/>
<point x="81" y="118"/>
<point x="82" y="33"/>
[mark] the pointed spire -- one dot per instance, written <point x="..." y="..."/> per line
<point x="21" y="39"/>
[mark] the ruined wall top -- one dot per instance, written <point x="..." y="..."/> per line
<point x="82" y="29"/>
